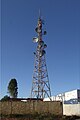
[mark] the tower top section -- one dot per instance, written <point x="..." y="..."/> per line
<point x="39" y="30"/>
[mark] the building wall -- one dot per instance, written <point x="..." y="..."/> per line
<point x="71" y="95"/>
<point x="74" y="94"/>
<point x="30" y="107"/>
<point x="71" y="109"/>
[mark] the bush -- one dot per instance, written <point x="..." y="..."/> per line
<point x="5" y="98"/>
<point x="37" y="116"/>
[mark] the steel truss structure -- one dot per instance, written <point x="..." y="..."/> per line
<point x="40" y="80"/>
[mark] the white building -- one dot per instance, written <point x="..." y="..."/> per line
<point x="68" y="97"/>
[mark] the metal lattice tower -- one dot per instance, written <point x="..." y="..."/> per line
<point x="40" y="80"/>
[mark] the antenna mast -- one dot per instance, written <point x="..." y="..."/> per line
<point x="40" y="80"/>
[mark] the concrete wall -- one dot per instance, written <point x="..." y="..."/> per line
<point x="71" y="109"/>
<point x="18" y="107"/>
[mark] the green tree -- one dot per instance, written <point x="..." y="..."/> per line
<point x="12" y="88"/>
<point x="5" y="98"/>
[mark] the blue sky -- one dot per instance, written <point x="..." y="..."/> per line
<point x="62" y="22"/>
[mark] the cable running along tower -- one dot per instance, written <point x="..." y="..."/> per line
<point x="40" y="81"/>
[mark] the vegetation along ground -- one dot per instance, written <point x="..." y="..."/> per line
<point x="38" y="117"/>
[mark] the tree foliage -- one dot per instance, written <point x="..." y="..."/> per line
<point x="12" y="88"/>
<point x="5" y="98"/>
